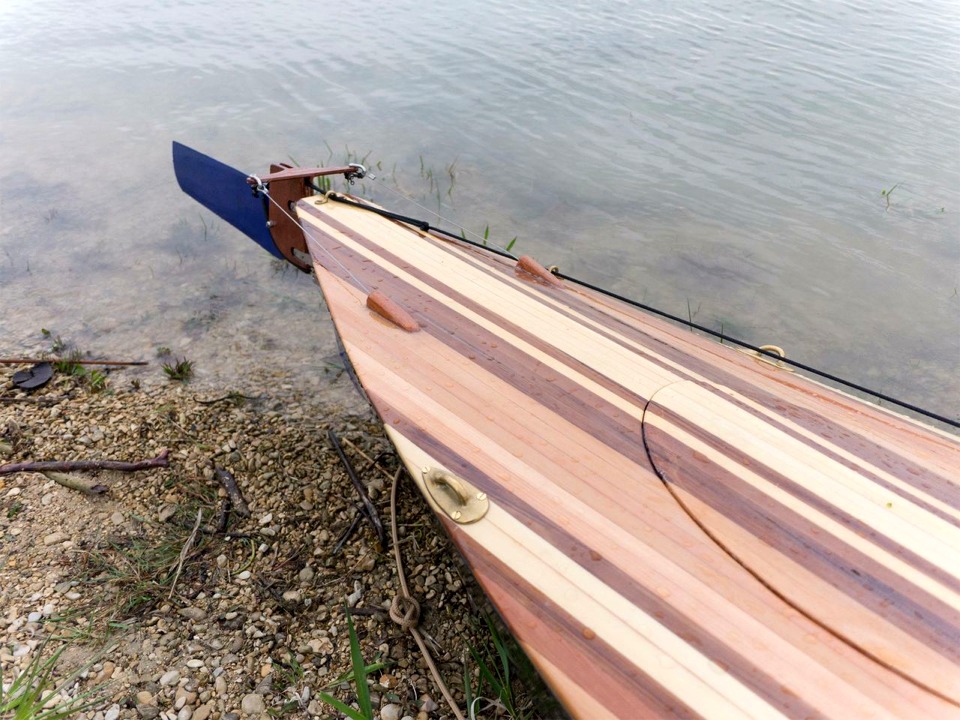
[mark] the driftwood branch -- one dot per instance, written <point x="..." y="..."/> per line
<point x="34" y="361"/>
<point x="369" y="510"/>
<point x="160" y="461"/>
<point x="229" y="484"/>
<point x="73" y="482"/>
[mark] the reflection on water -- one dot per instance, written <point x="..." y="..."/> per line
<point x="722" y="157"/>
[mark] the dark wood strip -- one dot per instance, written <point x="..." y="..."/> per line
<point x="611" y="678"/>
<point x="944" y="489"/>
<point x="554" y="391"/>
<point x="870" y="583"/>
<point x="774" y="691"/>
<point x="727" y="369"/>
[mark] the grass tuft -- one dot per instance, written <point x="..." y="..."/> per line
<point x="179" y="370"/>
<point x="32" y="694"/>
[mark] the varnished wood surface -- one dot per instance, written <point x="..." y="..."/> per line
<point x="677" y="529"/>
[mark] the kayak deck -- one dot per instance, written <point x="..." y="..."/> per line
<point x="676" y="529"/>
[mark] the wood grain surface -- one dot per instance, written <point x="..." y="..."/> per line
<point x="676" y="528"/>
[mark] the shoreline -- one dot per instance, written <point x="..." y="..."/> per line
<point x="253" y="622"/>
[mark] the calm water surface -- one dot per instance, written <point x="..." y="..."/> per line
<point x="724" y="159"/>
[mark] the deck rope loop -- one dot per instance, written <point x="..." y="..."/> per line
<point x="405" y="612"/>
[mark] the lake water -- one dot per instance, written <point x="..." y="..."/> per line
<point x="714" y="158"/>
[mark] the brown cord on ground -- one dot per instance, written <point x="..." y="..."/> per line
<point x="405" y="610"/>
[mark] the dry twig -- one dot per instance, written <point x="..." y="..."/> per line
<point x="229" y="483"/>
<point x="369" y="510"/>
<point x="160" y="461"/>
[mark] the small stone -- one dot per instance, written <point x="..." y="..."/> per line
<point x="194" y="663"/>
<point x="220" y="685"/>
<point x="252" y="704"/>
<point x="390" y="711"/>
<point x="34" y="617"/>
<point x="170" y="678"/>
<point x="166" y="512"/>
<point x="192" y="613"/>
<point x="106" y="673"/>
<point x="117" y="518"/>
<point x="145" y="697"/>
<point x="320" y="646"/>
<point x="55" y="538"/>
<point x="292" y="596"/>
<point x="388" y="681"/>
<point x="14" y="491"/>
<point x="245" y="575"/>
<point x="112" y="713"/>
<point x="185" y="713"/>
<point x="148" y="712"/>
<point x="427" y="704"/>
<point x="266" y="519"/>
<point x="203" y="712"/>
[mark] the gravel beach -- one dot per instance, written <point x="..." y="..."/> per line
<point x="173" y="603"/>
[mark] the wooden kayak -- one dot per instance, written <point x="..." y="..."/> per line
<point x="670" y="527"/>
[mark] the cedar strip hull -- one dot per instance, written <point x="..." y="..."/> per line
<point x="676" y="529"/>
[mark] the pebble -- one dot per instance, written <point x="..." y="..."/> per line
<point x="185" y="713"/>
<point x="117" y="518"/>
<point x="193" y="613"/>
<point x="427" y="704"/>
<point x="252" y="704"/>
<point x="194" y="663"/>
<point x="390" y="711"/>
<point x="55" y="538"/>
<point x="170" y="678"/>
<point x="112" y="713"/>
<point x="203" y="712"/>
<point x="145" y="697"/>
<point x="220" y="685"/>
<point x="148" y="712"/>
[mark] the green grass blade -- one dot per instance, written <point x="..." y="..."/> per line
<point x="341" y="706"/>
<point x="359" y="669"/>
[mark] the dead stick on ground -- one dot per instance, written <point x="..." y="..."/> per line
<point x="79" y="484"/>
<point x="34" y="361"/>
<point x="371" y="511"/>
<point x="229" y="484"/>
<point x="160" y="461"/>
<point x="373" y="463"/>
<point x="183" y="553"/>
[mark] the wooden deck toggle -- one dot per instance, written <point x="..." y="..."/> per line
<point x="531" y="266"/>
<point x="389" y="310"/>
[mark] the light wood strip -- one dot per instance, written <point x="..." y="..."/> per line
<point x="401" y="392"/>
<point x="904" y="522"/>
<point x="401" y="240"/>
<point x="523" y="346"/>
<point x="576" y="341"/>
<point x="562" y="304"/>
<point x="654" y="551"/>
<point x="670" y="661"/>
